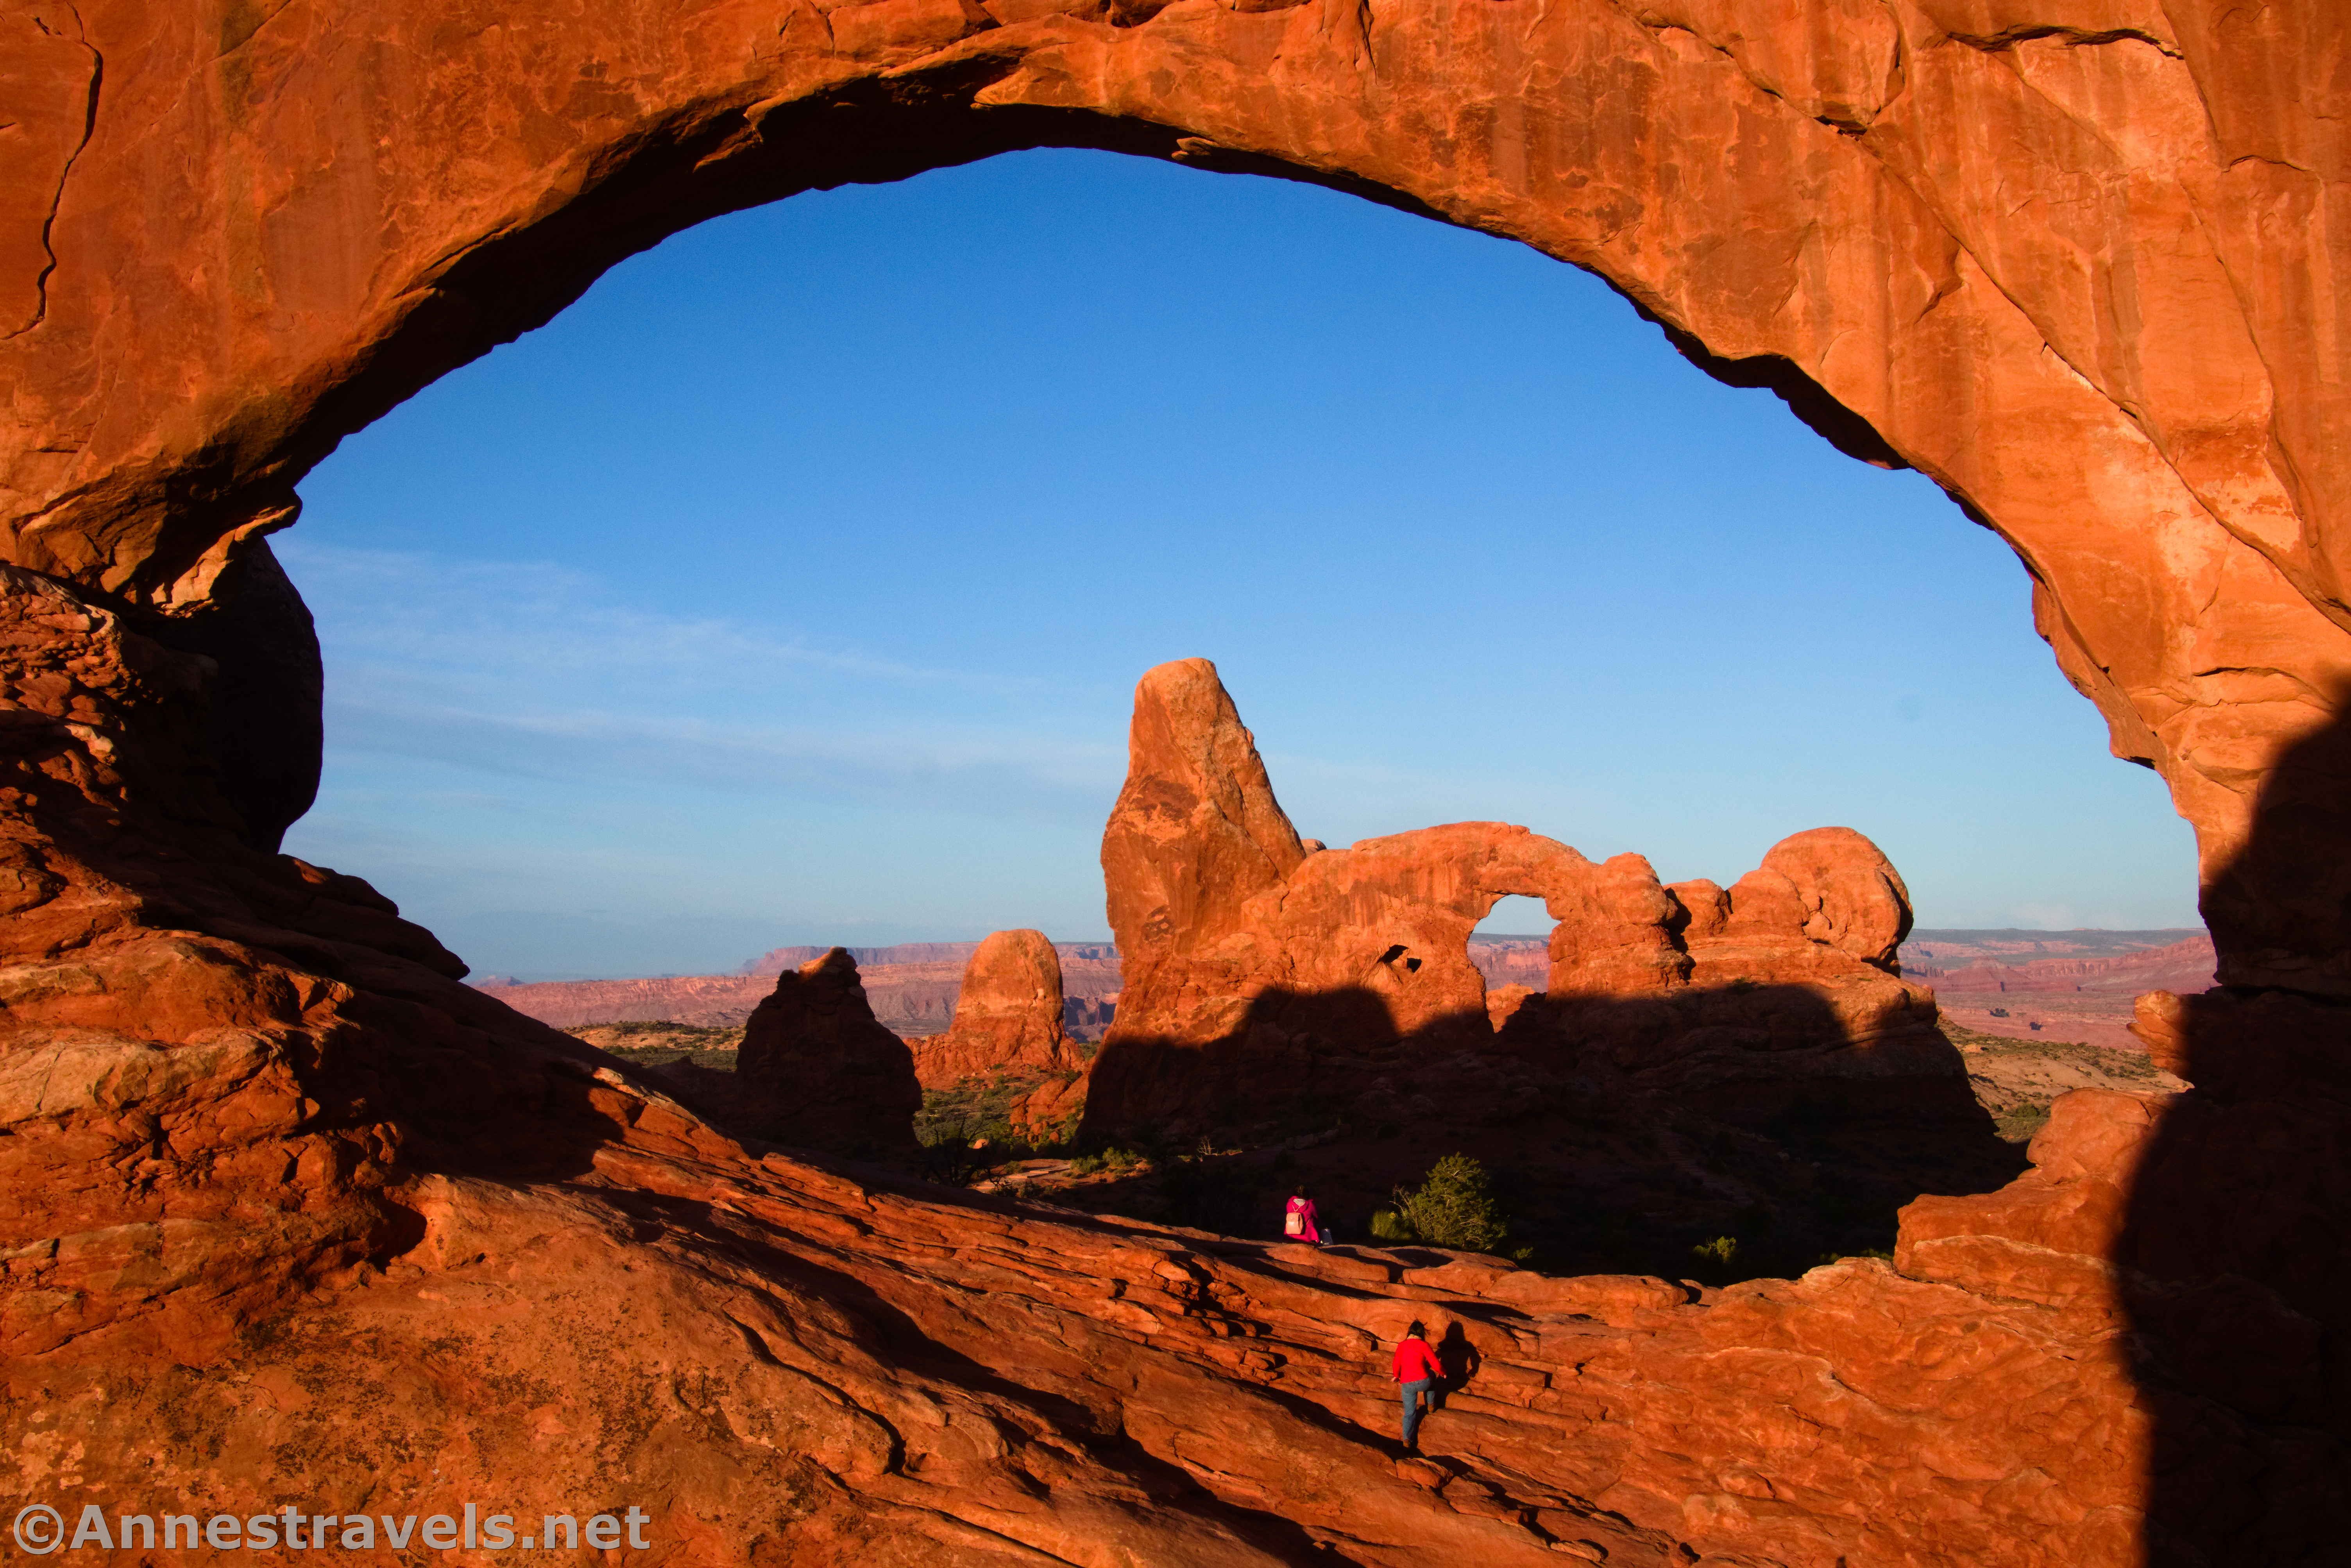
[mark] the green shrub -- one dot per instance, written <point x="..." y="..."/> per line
<point x="1388" y="1226"/>
<point x="1115" y="1160"/>
<point x="2018" y="1124"/>
<point x="1715" y="1259"/>
<point x="1455" y="1206"/>
<point x="975" y="1108"/>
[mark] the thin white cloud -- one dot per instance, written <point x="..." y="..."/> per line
<point x="716" y="753"/>
<point x="488" y="618"/>
<point x="535" y="671"/>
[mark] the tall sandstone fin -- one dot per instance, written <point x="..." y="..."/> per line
<point x="1197" y="831"/>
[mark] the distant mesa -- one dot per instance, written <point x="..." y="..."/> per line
<point x="913" y="988"/>
<point x="917" y="998"/>
<point x="776" y="960"/>
<point x="2084" y="961"/>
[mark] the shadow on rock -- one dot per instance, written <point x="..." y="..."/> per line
<point x="1622" y="1133"/>
<point x="2231" y="1261"/>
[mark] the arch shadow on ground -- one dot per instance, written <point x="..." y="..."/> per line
<point x="1622" y="1134"/>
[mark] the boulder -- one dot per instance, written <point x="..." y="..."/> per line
<point x="1008" y="1018"/>
<point x="1803" y="948"/>
<point x="818" y="1071"/>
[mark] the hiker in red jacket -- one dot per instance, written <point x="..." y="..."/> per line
<point x="1300" y="1221"/>
<point x="1416" y="1367"/>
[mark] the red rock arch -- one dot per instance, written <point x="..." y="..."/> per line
<point x="2080" y="268"/>
<point x="2080" y="261"/>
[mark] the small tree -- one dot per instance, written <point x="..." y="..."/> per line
<point x="1455" y="1206"/>
<point x="1717" y="1257"/>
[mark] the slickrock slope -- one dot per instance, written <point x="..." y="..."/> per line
<point x="849" y="1371"/>
<point x="817" y="1072"/>
<point x="1008" y="1015"/>
<point x="2079" y="264"/>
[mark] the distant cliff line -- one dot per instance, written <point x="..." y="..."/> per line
<point x="913" y="985"/>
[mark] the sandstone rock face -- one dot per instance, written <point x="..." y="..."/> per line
<point x="1979" y="240"/>
<point x="1819" y="923"/>
<point x="275" y="1178"/>
<point x="1215" y="901"/>
<point x="1008" y="1016"/>
<point x="817" y="1071"/>
<point x="1240" y="981"/>
<point x="1195" y="833"/>
<point x="1847" y="896"/>
<point x="1053" y="1109"/>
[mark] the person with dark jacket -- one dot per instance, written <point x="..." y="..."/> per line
<point x="1416" y="1367"/>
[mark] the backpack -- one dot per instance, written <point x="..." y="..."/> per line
<point x="1294" y="1222"/>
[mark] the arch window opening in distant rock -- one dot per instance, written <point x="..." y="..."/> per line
<point x="1512" y="946"/>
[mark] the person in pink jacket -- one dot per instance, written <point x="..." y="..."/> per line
<point x="1300" y="1222"/>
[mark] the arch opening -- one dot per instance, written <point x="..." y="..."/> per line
<point x="1670" y="1244"/>
<point x="1311" y="488"/>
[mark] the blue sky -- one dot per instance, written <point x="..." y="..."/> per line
<point x="792" y="585"/>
